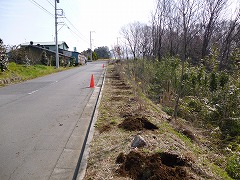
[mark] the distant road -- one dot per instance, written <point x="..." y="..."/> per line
<point x="37" y="118"/>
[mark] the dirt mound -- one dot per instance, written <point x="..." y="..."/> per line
<point x="150" y="167"/>
<point x="134" y="123"/>
<point x="115" y="77"/>
<point x="117" y="98"/>
<point x="121" y="85"/>
<point x="189" y="134"/>
<point x="104" y="128"/>
<point x="185" y="131"/>
<point x="172" y="159"/>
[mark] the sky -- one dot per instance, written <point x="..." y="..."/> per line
<point x="24" y="21"/>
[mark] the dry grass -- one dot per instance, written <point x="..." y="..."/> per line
<point x="120" y="100"/>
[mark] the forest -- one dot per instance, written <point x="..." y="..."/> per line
<point x="188" y="59"/>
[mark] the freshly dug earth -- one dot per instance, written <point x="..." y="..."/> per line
<point x="133" y="123"/>
<point x="157" y="166"/>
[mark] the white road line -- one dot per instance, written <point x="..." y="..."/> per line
<point x="33" y="92"/>
<point x="54" y="82"/>
<point x="38" y="89"/>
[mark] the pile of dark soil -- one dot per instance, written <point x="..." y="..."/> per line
<point x="189" y="134"/>
<point x="115" y="77"/>
<point x="185" y="131"/>
<point x="121" y="85"/>
<point x="139" y="166"/>
<point x="117" y="98"/>
<point x="104" y="128"/>
<point x="134" y="123"/>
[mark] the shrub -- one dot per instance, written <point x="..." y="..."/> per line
<point x="233" y="166"/>
<point x="213" y="82"/>
<point x="168" y="110"/>
<point x="17" y="55"/>
<point x="212" y="97"/>
<point x="186" y="113"/>
<point x="231" y="127"/>
<point x="44" y="58"/>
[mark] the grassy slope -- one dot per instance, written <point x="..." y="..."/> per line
<point x="109" y="140"/>
<point x="16" y="72"/>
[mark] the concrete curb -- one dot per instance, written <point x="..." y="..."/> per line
<point x="83" y="165"/>
<point x="72" y="163"/>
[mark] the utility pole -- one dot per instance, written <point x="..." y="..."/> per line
<point x="117" y="40"/>
<point x="91" y="43"/>
<point x="56" y="34"/>
<point x="118" y="49"/>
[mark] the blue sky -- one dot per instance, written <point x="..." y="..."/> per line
<point x="23" y="21"/>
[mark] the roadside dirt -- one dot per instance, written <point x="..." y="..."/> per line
<point x="156" y="166"/>
<point x="135" y="123"/>
<point x="175" y="150"/>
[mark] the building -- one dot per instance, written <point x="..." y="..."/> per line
<point x="80" y="59"/>
<point x="48" y="45"/>
<point x="36" y="50"/>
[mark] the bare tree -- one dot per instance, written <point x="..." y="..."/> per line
<point x="146" y="41"/>
<point x="131" y="33"/>
<point x="159" y="25"/>
<point x="124" y="49"/>
<point x="232" y="32"/>
<point x="187" y="11"/>
<point x="173" y="24"/>
<point x="211" y="12"/>
<point x="113" y="52"/>
<point x="118" y="51"/>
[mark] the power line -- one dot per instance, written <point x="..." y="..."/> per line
<point x="50" y="3"/>
<point x="75" y="34"/>
<point x="71" y="23"/>
<point x="38" y="5"/>
<point x="74" y="27"/>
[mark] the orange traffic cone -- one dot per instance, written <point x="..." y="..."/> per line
<point x="92" y="82"/>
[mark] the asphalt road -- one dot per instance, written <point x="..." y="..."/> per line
<point x="37" y="119"/>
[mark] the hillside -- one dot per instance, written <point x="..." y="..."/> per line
<point x="174" y="149"/>
<point x="17" y="73"/>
